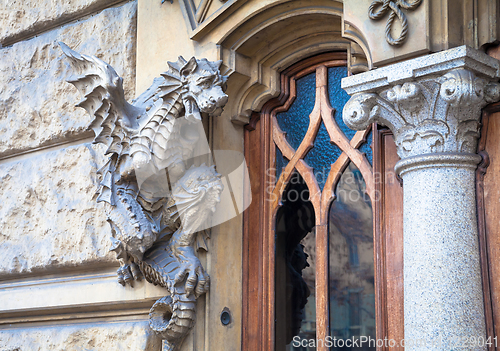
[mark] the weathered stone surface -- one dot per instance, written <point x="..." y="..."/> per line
<point x="48" y="216"/>
<point x="116" y="336"/>
<point x="36" y="102"/>
<point x="358" y="26"/>
<point x="20" y="19"/>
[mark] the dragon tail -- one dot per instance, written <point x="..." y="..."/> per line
<point x="172" y="317"/>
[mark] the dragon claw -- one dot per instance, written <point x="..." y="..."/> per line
<point x="128" y="273"/>
<point x="197" y="279"/>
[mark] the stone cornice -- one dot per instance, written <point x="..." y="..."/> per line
<point x="433" y="112"/>
<point x="436" y="64"/>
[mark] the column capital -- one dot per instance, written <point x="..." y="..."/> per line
<point x="432" y="104"/>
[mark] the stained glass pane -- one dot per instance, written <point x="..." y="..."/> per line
<point x="322" y="155"/>
<point x="338" y="97"/>
<point x="281" y="163"/>
<point x="352" y="288"/>
<point x="295" y="121"/>
<point x="366" y="148"/>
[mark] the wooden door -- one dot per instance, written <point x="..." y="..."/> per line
<point x="488" y="210"/>
<point x="488" y="207"/>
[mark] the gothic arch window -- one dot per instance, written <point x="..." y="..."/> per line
<point x="318" y="218"/>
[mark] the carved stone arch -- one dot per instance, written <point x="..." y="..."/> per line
<point x="361" y="57"/>
<point x="258" y="49"/>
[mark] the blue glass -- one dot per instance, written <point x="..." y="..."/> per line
<point x="281" y="163"/>
<point x="366" y="148"/>
<point x="295" y="121"/>
<point x="338" y="97"/>
<point x="322" y="155"/>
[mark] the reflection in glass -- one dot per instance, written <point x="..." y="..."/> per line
<point x="308" y="328"/>
<point x="352" y="290"/>
<point x="295" y="314"/>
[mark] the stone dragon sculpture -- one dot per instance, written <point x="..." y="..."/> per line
<point x="155" y="204"/>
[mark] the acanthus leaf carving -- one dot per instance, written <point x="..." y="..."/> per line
<point x="156" y="205"/>
<point x="429" y="115"/>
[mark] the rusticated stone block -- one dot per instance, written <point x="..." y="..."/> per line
<point x="48" y="217"/>
<point x="20" y="19"/>
<point x="36" y="102"/>
<point x="114" y="336"/>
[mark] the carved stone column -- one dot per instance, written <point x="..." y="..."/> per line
<point x="433" y="105"/>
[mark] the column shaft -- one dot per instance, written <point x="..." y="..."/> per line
<point x="443" y="296"/>
<point x="432" y="104"/>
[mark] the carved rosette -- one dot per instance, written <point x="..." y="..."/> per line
<point x="439" y="114"/>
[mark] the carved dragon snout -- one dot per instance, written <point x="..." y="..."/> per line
<point x="213" y="99"/>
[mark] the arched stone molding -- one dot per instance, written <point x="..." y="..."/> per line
<point x="258" y="49"/>
<point x="361" y="58"/>
<point x="256" y="39"/>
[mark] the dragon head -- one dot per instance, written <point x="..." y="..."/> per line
<point x="202" y="91"/>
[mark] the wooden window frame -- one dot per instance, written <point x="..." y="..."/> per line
<point x="258" y="314"/>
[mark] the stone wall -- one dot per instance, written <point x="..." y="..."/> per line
<point x="50" y="218"/>
<point x="36" y="103"/>
<point x="109" y="337"/>
<point x="53" y="236"/>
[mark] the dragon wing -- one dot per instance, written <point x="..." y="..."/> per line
<point x="103" y="97"/>
<point x="159" y="127"/>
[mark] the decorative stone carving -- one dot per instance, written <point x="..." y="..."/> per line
<point x="438" y="114"/>
<point x="156" y="206"/>
<point x="195" y="15"/>
<point x="394" y="7"/>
